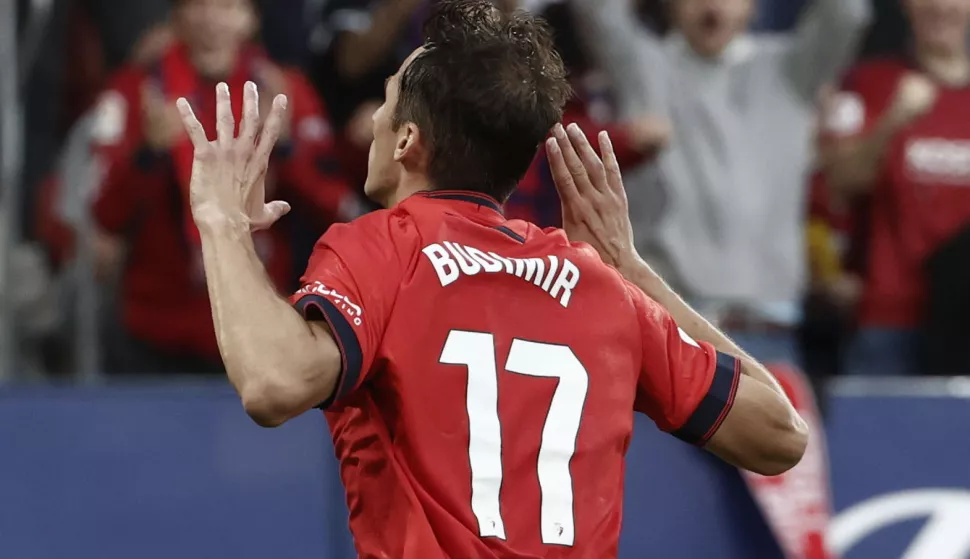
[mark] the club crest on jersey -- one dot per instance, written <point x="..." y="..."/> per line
<point x="452" y="261"/>
<point x="342" y="302"/>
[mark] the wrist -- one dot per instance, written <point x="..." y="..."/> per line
<point x="634" y="268"/>
<point x="213" y="221"/>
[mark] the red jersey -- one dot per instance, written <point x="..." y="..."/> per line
<point x="922" y="197"/>
<point x="490" y="374"/>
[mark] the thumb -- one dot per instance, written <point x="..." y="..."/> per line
<point x="277" y="209"/>
<point x="272" y="212"/>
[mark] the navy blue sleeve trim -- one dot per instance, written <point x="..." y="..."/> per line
<point x="315" y="307"/>
<point x="712" y="410"/>
<point x="510" y="233"/>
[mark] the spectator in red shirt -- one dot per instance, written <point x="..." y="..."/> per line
<point x="143" y="200"/>
<point x="900" y="140"/>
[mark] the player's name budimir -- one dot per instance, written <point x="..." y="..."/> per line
<point x="452" y="260"/>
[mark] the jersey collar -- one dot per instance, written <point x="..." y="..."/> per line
<point x="477" y="198"/>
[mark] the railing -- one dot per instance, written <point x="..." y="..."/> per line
<point x="16" y="62"/>
<point x="11" y="163"/>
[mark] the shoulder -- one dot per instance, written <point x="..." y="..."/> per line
<point x="387" y="234"/>
<point x="580" y="251"/>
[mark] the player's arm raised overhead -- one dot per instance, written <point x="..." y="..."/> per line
<point x="280" y="364"/>
<point x="710" y="393"/>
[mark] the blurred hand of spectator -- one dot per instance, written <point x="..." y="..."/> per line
<point x="844" y="290"/>
<point x="914" y="96"/>
<point x="648" y="134"/>
<point x="853" y="158"/>
<point x="161" y="122"/>
<point x="108" y="255"/>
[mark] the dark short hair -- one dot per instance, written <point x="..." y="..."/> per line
<point x="484" y="93"/>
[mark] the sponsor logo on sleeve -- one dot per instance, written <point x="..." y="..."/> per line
<point x="339" y="300"/>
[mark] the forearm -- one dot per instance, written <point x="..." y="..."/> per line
<point x="695" y="325"/>
<point x="278" y="363"/>
<point x="622" y="48"/>
<point x="826" y="42"/>
<point x="853" y="165"/>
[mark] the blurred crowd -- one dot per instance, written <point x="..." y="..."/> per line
<point x="799" y="171"/>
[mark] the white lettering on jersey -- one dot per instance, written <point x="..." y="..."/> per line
<point x="938" y="160"/>
<point x="453" y="260"/>
<point x="444" y="266"/>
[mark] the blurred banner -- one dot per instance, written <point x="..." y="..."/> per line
<point x="179" y="471"/>
<point x="797" y="504"/>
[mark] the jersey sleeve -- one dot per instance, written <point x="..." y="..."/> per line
<point x="685" y="386"/>
<point x="351" y="283"/>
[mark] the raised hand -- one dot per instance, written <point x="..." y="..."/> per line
<point x="594" y="204"/>
<point x="915" y="95"/>
<point x="228" y="174"/>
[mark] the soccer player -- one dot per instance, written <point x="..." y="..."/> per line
<point x="479" y="375"/>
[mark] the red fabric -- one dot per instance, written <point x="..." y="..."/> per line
<point x="921" y="199"/>
<point x="144" y="200"/>
<point x="411" y="312"/>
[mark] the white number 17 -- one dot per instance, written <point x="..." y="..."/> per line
<point x="476" y="350"/>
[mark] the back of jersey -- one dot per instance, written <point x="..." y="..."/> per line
<point x="490" y="373"/>
<point x="514" y="359"/>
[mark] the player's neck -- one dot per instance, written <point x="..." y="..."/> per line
<point x="410" y="184"/>
<point x="950" y="66"/>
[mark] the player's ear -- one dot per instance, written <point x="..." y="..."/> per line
<point x="410" y="147"/>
